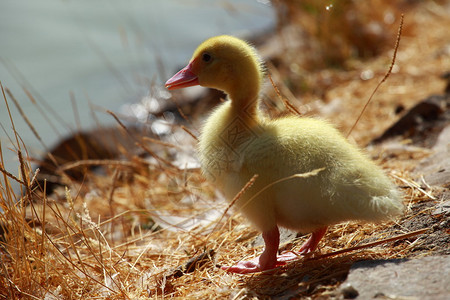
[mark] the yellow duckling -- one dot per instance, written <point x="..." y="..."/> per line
<point x="237" y="142"/>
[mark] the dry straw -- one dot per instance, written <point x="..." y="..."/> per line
<point x="148" y="229"/>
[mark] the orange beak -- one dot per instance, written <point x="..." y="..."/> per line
<point x="184" y="78"/>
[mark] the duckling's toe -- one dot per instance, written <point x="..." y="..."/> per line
<point x="253" y="266"/>
<point x="244" y="267"/>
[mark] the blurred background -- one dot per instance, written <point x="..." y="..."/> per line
<point x="77" y="58"/>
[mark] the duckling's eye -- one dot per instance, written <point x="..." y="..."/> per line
<point x="206" y="57"/>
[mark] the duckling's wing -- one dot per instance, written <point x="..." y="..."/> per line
<point x="350" y="186"/>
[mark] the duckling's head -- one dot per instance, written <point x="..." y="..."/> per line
<point x="225" y="63"/>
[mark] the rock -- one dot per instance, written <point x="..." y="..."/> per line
<point x="436" y="168"/>
<point x="423" y="278"/>
<point x="446" y="76"/>
<point x="442" y="208"/>
<point x="96" y="144"/>
<point x="422" y="123"/>
<point x="348" y="291"/>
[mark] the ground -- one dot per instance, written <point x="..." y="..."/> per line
<point x="129" y="228"/>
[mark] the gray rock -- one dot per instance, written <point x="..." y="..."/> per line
<point x="442" y="208"/>
<point x="423" y="278"/>
<point x="436" y="168"/>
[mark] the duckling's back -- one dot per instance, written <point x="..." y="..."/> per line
<point x="350" y="187"/>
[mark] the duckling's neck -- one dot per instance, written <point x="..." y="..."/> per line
<point x="244" y="96"/>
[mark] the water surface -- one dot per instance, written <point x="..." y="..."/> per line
<point x="103" y="53"/>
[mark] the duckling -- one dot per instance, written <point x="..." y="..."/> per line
<point x="237" y="142"/>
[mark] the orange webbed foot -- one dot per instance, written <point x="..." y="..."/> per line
<point x="251" y="266"/>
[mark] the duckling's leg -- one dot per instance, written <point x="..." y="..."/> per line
<point x="311" y="244"/>
<point x="268" y="259"/>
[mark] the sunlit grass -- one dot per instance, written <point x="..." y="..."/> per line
<point x="124" y="232"/>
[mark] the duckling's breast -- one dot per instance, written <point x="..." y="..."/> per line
<point x="224" y="138"/>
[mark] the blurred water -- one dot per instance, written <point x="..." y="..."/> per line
<point x="105" y="52"/>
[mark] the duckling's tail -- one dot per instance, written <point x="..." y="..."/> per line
<point x="386" y="206"/>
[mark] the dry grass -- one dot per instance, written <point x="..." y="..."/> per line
<point x="123" y="234"/>
<point x="339" y="92"/>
